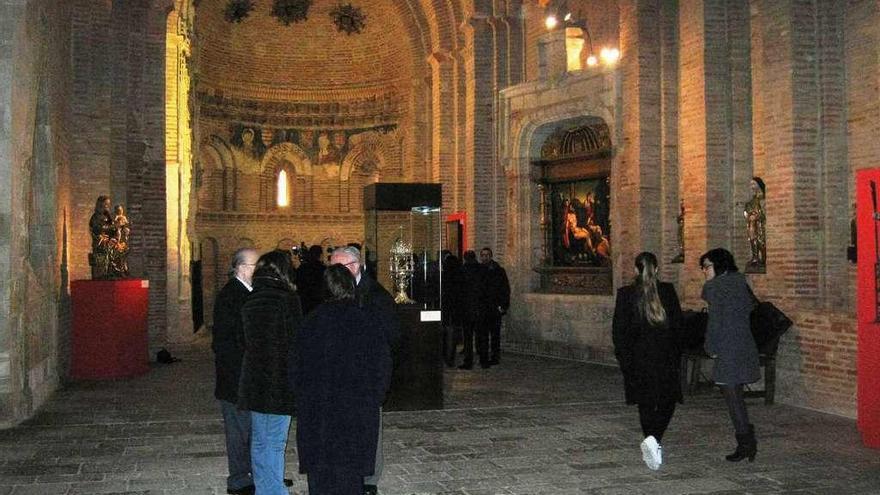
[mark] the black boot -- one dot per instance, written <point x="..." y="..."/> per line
<point x="746" y="446"/>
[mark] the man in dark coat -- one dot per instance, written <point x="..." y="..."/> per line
<point x="472" y="290"/>
<point x="342" y="373"/>
<point x="497" y="302"/>
<point x="228" y="347"/>
<point x="371" y="295"/>
<point x="309" y="279"/>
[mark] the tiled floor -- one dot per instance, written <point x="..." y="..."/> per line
<point x="528" y="426"/>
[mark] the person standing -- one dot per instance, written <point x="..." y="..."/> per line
<point x="228" y="347"/>
<point x="645" y="331"/>
<point x="472" y="278"/>
<point x="341" y="375"/>
<point x="270" y="318"/>
<point x="729" y="341"/>
<point x="309" y="279"/>
<point x="497" y="302"/>
<point x="372" y="296"/>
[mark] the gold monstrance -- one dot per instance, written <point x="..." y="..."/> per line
<point x="401" y="270"/>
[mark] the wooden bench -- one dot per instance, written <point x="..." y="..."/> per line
<point x="692" y="377"/>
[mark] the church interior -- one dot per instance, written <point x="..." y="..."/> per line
<point x="223" y="124"/>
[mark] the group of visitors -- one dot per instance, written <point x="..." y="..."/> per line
<point x="647" y="337"/>
<point x="325" y="355"/>
<point x="330" y="366"/>
<point x="476" y="295"/>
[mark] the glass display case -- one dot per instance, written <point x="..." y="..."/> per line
<point x="403" y="240"/>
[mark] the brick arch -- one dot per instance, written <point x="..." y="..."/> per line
<point x="366" y="146"/>
<point x="291" y="153"/>
<point x="217" y="148"/>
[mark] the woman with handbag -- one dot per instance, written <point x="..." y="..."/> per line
<point x="729" y="341"/>
<point x="645" y="330"/>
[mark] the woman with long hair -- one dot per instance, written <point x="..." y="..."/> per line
<point x="341" y="372"/>
<point x="271" y="316"/>
<point x="645" y="330"/>
<point x="729" y="340"/>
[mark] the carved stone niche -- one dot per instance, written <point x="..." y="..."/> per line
<point x="574" y="182"/>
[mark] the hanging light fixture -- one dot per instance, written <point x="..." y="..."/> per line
<point x="558" y="9"/>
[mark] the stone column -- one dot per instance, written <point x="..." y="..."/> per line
<point x="443" y="118"/>
<point x="637" y="178"/>
<point x="712" y="131"/>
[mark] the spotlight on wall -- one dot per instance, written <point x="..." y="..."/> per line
<point x="551" y="22"/>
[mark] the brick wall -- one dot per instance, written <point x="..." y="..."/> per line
<point x="712" y="93"/>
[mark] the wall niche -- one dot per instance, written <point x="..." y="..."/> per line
<point x="574" y="180"/>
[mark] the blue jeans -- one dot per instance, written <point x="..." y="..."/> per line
<point x="268" y="440"/>
<point x="237" y="426"/>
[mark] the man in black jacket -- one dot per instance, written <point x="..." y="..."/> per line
<point x="228" y="346"/>
<point x="497" y="302"/>
<point x="372" y="295"/>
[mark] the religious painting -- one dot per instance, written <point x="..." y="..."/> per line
<point x="581" y="234"/>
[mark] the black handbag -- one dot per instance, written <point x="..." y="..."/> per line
<point x="768" y="324"/>
<point x="693" y="329"/>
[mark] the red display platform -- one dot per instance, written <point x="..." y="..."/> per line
<point x="868" y="357"/>
<point x="109" y="337"/>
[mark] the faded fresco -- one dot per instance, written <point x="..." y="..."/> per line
<point x="326" y="149"/>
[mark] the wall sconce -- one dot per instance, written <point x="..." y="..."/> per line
<point x="556" y="8"/>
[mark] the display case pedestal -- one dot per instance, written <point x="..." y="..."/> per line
<point x="109" y="334"/>
<point x="417" y="380"/>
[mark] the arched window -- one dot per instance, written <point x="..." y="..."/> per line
<point x="283" y="196"/>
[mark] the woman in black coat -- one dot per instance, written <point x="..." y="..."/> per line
<point x="270" y="318"/>
<point x="645" y="330"/>
<point x="729" y="340"/>
<point x="343" y="370"/>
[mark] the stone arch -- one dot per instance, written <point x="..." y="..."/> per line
<point x="369" y="154"/>
<point x="367" y="148"/>
<point x="528" y="133"/>
<point x="217" y="183"/>
<point x="289" y="152"/>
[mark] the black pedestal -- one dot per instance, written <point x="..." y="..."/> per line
<point x="417" y="381"/>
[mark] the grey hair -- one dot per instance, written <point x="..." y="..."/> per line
<point x="349" y="251"/>
<point x="238" y="258"/>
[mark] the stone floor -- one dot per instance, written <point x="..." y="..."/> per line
<point x="529" y="426"/>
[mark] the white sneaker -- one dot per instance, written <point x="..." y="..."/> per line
<point x="650" y="453"/>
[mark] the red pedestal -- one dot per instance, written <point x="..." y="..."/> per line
<point x="109" y="338"/>
<point x="868" y="357"/>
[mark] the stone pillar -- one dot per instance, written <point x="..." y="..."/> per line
<point x="443" y="113"/>
<point x="637" y="178"/>
<point x="669" y="164"/>
<point x="707" y="141"/>
<point x="482" y="126"/>
<point x="178" y="184"/>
